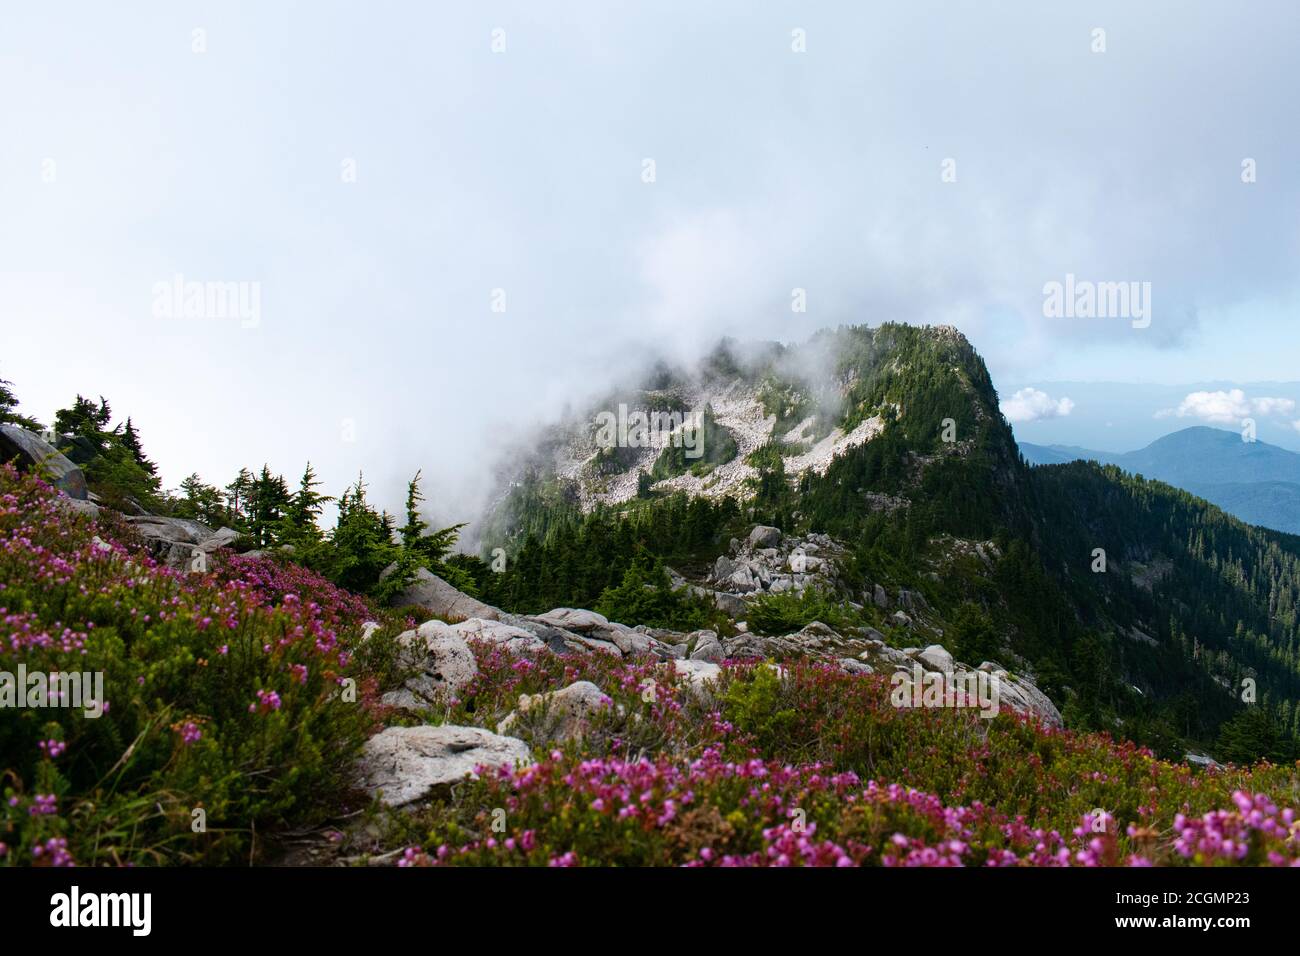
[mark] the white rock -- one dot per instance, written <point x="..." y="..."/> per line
<point x="578" y="620"/>
<point x="708" y="648"/>
<point x="402" y="765"/>
<point x="698" y="673"/>
<point x="764" y="536"/>
<point x="514" y="639"/>
<point x="443" y="662"/>
<point x="936" y="658"/>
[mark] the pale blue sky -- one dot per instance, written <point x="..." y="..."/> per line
<point x="522" y="170"/>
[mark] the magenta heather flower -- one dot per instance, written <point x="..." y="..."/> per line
<point x="413" y="856"/>
<point x="44" y="804"/>
<point x="55" y="850"/>
<point x="267" y="701"/>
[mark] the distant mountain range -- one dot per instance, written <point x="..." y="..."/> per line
<point x="1255" y="481"/>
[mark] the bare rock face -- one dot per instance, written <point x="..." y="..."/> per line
<point x="815" y="639"/>
<point x="33" y="453"/>
<point x="440" y="599"/>
<point x="1022" y="695"/>
<point x="404" y="765"/>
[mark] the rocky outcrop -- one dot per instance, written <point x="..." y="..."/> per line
<point x="405" y="765"/>
<point x="769" y="561"/>
<point x="1023" y="696"/>
<point x="440" y="663"/>
<point x="582" y="631"/>
<point x="439" y="598"/>
<point x="181" y="543"/>
<point x="816" y="639"/>
<point x="443" y="661"/>
<point x="33" y="453"/>
<point x="729" y="604"/>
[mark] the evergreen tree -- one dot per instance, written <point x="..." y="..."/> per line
<point x="238" y="493"/>
<point x="299" y="526"/>
<point x="115" y="471"/>
<point x="267" y="503"/>
<point x="421" y="550"/>
<point x="201" y="502"/>
<point x="362" y="544"/>
<point x="130" y="440"/>
<point x="975" y="639"/>
<point x="1250" y="735"/>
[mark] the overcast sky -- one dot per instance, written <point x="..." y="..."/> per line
<point x="374" y="173"/>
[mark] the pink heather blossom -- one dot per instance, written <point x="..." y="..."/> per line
<point x="267" y="701"/>
<point x="52" y="748"/>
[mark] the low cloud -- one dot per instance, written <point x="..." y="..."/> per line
<point x="1227" y="407"/>
<point x="1031" y="405"/>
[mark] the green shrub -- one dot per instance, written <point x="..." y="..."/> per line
<point x="789" y="611"/>
<point x="754" y="707"/>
